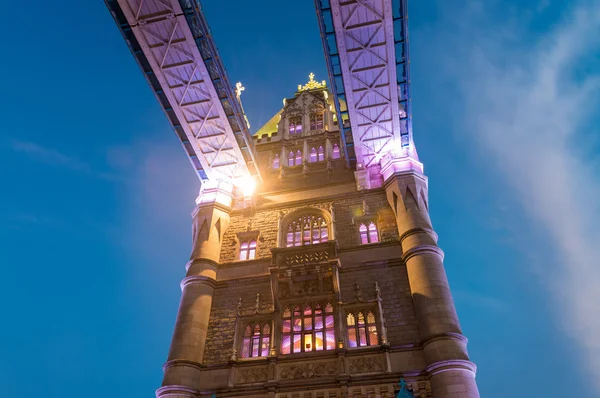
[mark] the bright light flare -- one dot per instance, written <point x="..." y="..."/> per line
<point x="247" y="185"/>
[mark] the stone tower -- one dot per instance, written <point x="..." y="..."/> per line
<point x="323" y="282"/>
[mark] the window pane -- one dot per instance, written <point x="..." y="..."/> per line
<point x="287" y="313"/>
<point x="248" y="331"/>
<point x="289" y="239"/>
<point x="324" y="234"/>
<point x="266" y="329"/>
<point x="307" y="311"/>
<point x="307" y="323"/>
<point x="296" y="311"/>
<point x="350" y="320"/>
<point x="298" y="158"/>
<point x="336" y="152"/>
<point x="319" y="341"/>
<point x="361" y="318"/>
<point x="276" y="162"/>
<point x="246" y="348"/>
<point x="257" y="330"/>
<point x="243" y="254"/>
<point x="297" y="342"/>
<point x="251" y="254"/>
<point x="297" y="324"/>
<point x="316" y="237"/>
<point x="352" y="337"/>
<point x="285" y="344"/>
<point x="370" y="318"/>
<point x="321" y="152"/>
<point x="373" y="237"/>
<point x="362" y="334"/>
<point x="265" y="347"/>
<point x="308" y="345"/>
<point x="373" y="335"/>
<point x="330" y="340"/>
<point x="297" y="240"/>
<point x="313" y="155"/>
<point x="318" y="322"/>
<point x="329" y="321"/>
<point x="255" y="346"/>
<point x="287" y="326"/>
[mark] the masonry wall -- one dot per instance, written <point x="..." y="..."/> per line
<point x="389" y="272"/>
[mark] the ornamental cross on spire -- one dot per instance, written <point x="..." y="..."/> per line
<point x="312" y="84"/>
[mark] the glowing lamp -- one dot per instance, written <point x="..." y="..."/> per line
<point x="247" y="185"/>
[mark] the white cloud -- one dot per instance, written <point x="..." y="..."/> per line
<point x="528" y="105"/>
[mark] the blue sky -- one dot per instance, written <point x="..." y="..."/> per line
<point x="95" y="214"/>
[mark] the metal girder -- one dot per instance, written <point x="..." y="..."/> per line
<point x="170" y="40"/>
<point x="366" y="47"/>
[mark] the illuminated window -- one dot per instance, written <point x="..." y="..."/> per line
<point x="298" y="157"/>
<point x="256" y="340"/>
<point x="307" y="230"/>
<point x="290" y="159"/>
<point x="308" y="329"/>
<point x="276" y="162"/>
<point x="248" y="250"/>
<point x="335" y="153"/>
<point x="321" y="154"/>
<point x="368" y="234"/>
<point x="313" y="155"/>
<point x="316" y="121"/>
<point x="295" y="125"/>
<point x="362" y="331"/>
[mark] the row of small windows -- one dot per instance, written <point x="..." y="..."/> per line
<point x="309" y="229"/>
<point x="295" y="123"/>
<point x="310" y="329"/>
<point x="316" y="155"/>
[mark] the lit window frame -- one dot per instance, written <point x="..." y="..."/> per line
<point x="308" y="228"/>
<point x="362" y="327"/>
<point x="256" y="343"/>
<point x="336" y="152"/>
<point x="304" y="325"/>
<point x="276" y="164"/>
<point x="316" y="121"/>
<point x="295" y="125"/>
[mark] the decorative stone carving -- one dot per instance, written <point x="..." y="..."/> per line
<point x="308" y="370"/>
<point x="252" y="375"/>
<point x="306" y="258"/>
<point x="308" y="287"/>
<point x="373" y="364"/>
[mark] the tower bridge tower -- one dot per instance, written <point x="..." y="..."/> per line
<point x="314" y="268"/>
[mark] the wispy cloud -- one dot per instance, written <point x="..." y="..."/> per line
<point x="42" y="154"/>
<point x="529" y="105"/>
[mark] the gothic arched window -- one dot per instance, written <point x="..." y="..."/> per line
<point x="362" y="330"/>
<point x="335" y="153"/>
<point x="313" y="155"/>
<point x="307" y="329"/>
<point x="248" y="250"/>
<point x="321" y="154"/>
<point x="290" y="159"/>
<point x="368" y="234"/>
<point x="276" y="162"/>
<point x="308" y="229"/>
<point x="316" y="121"/>
<point x="295" y="125"/>
<point x="256" y="340"/>
<point x="298" y="157"/>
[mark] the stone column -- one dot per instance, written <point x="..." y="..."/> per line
<point x="451" y="372"/>
<point x="184" y="363"/>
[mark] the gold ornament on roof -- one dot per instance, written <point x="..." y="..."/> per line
<point x="312" y="84"/>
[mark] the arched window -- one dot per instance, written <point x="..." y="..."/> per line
<point x="362" y="331"/>
<point x="276" y="162"/>
<point x="335" y="153"/>
<point x="298" y="157"/>
<point x="368" y="234"/>
<point x="321" y="154"/>
<point x="256" y="340"/>
<point x="307" y="329"/>
<point x="248" y="250"/>
<point x="316" y="121"/>
<point x="290" y="159"/>
<point x="313" y="155"/>
<point x="295" y="125"/>
<point x="307" y="230"/>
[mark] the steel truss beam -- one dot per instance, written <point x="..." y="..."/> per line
<point x="170" y="40"/>
<point x="367" y="52"/>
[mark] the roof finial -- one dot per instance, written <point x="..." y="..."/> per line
<point x="257" y="303"/>
<point x="312" y="84"/>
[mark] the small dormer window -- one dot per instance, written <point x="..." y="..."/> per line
<point x="276" y="162"/>
<point x="295" y="125"/>
<point x="316" y="121"/>
<point x="248" y="250"/>
<point x="335" y="153"/>
<point x="368" y="233"/>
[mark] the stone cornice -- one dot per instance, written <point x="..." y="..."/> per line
<point x="422" y="249"/>
<point x="451" y="365"/>
<point x="198" y="279"/>
<point x="182" y="362"/>
<point x="166" y="391"/>
<point x="414" y="231"/>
